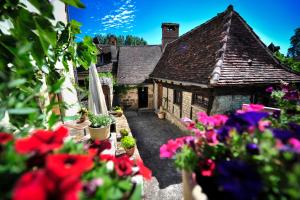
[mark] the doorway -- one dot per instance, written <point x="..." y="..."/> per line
<point x="143" y="97"/>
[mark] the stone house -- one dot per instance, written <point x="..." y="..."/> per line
<point x="215" y="68"/>
<point x="135" y="64"/>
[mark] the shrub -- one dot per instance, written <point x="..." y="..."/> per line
<point x="117" y="109"/>
<point x="128" y="142"/>
<point x="124" y="132"/>
<point x="98" y="121"/>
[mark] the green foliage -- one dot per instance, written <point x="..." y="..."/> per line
<point x="294" y="50"/>
<point x="30" y="50"/>
<point x="128" y="142"/>
<point x="121" y="39"/>
<point x="98" y="121"/>
<point x="124" y="132"/>
<point x="289" y="62"/>
<point x="186" y="159"/>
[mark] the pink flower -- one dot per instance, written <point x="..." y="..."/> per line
<point x="169" y="149"/>
<point x="253" y="107"/>
<point x="219" y="120"/>
<point x="204" y="119"/>
<point x="295" y="144"/>
<point x="190" y="124"/>
<point x="211" y="137"/>
<point x="263" y="124"/>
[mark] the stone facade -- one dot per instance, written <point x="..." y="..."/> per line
<point x="186" y="104"/>
<point x="222" y="104"/>
<point x="130" y="100"/>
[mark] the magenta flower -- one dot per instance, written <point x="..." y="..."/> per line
<point x="269" y="89"/>
<point x="253" y="108"/>
<point x="204" y="119"/>
<point x="295" y="144"/>
<point x="263" y="124"/>
<point x="219" y="120"/>
<point x="169" y="149"/>
<point x="214" y="121"/>
<point x="211" y="137"/>
<point x="207" y="167"/>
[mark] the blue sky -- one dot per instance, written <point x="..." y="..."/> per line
<point x="273" y="20"/>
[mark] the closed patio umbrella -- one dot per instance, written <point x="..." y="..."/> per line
<point x="97" y="104"/>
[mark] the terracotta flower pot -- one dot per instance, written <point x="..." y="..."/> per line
<point x="191" y="190"/>
<point x="99" y="133"/>
<point x="130" y="151"/>
<point x="161" y="115"/>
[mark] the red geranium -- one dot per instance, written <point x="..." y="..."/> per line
<point x="32" y="185"/>
<point x="5" y="137"/>
<point x="207" y="167"/>
<point x="123" y="166"/>
<point x="42" y="141"/>
<point x="144" y="171"/>
<point x="39" y="185"/>
<point x="98" y="147"/>
<point x="63" y="165"/>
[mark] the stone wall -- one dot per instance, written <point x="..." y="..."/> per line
<point x="186" y="104"/>
<point x="195" y="110"/>
<point x="222" y="104"/>
<point x="170" y="100"/>
<point x="130" y="100"/>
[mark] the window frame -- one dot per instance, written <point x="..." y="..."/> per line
<point x="200" y="100"/>
<point x="177" y="97"/>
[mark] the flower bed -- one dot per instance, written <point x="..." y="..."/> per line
<point x="251" y="154"/>
<point x="42" y="166"/>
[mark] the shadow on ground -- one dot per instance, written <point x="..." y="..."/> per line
<point x="151" y="133"/>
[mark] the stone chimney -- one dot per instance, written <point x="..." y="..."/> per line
<point x="170" y="32"/>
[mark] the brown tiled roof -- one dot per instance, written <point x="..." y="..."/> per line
<point x="136" y="63"/>
<point x="222" y="51"/>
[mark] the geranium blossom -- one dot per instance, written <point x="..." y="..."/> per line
<point x="207" y="167"/>
<point x="123" y="166"/>
<point x="253" y="108"/>
<point x="144" y="171"/>
<point x="169" y="149"/>
<point x="211" y="137"/>
<point x="213" y="121"/>
<point x="63" y="165"/>
<point x="295" y="143"/>
<point x="42" y="141"/>
<point x="5" y="137"/>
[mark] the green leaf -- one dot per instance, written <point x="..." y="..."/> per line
<point x="44" y="6"/>
<point x="52" y="120"/>
<point x="125" y="185"/>
<point x="22" y="111"/>
<point x="16" y="83"/>
<point x="137" y="193"/>
<point x="55" y="88"/>
<point x="75" y="3"/>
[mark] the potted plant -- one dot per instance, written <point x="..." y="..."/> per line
<point x="128" y="143"/>
<point x="123" y="132"/>
<point x="117" y="110"/>
<point x="100" y="126"/>
<point x="161" y="114"/>
<point x="83" y="115"/>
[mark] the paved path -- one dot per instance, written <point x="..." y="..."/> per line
<point x="151" y="133"/>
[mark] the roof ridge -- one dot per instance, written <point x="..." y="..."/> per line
<point x="199" y="26"/>
<point x="216" y="73"/>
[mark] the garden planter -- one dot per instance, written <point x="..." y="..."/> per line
<point x="130" y="151"/>
<point x="191" y="190"/>
<point x="99" y="133"/>
<point x="161" y="115"/>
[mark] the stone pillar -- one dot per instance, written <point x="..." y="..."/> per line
<point x="155" y="93"/>
<point x="170" y="100"/>
<point x="186" y="104"/>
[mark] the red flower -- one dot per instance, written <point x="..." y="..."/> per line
<point x="123" y="166"/>
<point x="207" y="167"/>
<point x="64" y="165"/>
<point x="5" y="137"/>
<point x="98" y="147"/>
<point x="32" y="185"/>
<point x="144" y="171"/>
<point x="39" y="185"/>
<point x="42" y="141"/>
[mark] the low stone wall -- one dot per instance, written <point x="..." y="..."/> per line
<point x="222" y="104"/>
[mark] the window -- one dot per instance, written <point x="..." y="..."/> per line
<point x="200" y="100"/>
<point x="177" y="97"/>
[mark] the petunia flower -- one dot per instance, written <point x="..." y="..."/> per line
<point x="239" y="179"/>
<point x="253" y="108"/>
<point x="97" y="147"/>
<point x="91" y="186"/>
<point x="64" y="165"/>
<point x="211" y="137"/>
<point x="123" y="166"/>
<point x="42" y="141"/>
<point x="263" y="124"/>
<point x="252" y="148"/>
<point x="5" y="138"/>
<point x="169" y="149"/>
<point x="270" y="89"/>
<point x="207" y="167"/>
<point x="295" y="143"/>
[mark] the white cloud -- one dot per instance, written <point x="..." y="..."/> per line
<point x="122" y="17"/>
